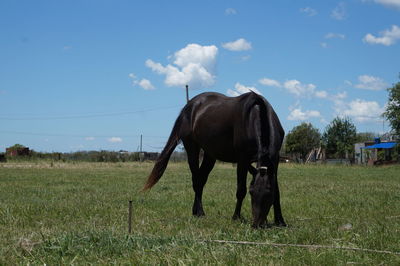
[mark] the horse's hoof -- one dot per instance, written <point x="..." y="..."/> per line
<point x="236" y="217"/>
<point x="281" y="224"/>
<point x="199" y="214"/>
<point x="239" y="218"/>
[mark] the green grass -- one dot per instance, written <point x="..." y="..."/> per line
<point x="77" y="214"/>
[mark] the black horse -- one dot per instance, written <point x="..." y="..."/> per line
<point x="242" y="130"/>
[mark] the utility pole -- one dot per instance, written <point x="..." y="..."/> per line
<point x="141" y="154"/>
<point x="141" y="143"/>
<point x="187" y="93"/>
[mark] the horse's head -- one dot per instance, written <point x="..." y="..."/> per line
<point x="262" y="196"/>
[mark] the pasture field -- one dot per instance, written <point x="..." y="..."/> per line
<point x="68" y="213"/>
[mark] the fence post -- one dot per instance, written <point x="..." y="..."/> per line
<point x="130" y="217"/>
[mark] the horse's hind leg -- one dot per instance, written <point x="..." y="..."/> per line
<point x="199" y="174"/>
<point x="199" y="182"/>
<point x="192" y="151"/>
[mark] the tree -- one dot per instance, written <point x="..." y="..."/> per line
<point x="339" y="137"/>
<point x="302" y="139"/>
<point x="392" y="112"/>
<point x="365" y="136"/>
<point x="16" y="147"/>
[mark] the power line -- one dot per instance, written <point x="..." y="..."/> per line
<point x="80" y="116"/>
<point x="76" y="135"/>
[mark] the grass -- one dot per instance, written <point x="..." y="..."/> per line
<point x="54" y="213"/>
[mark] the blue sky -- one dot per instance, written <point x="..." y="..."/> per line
<point x="91" y="75"/>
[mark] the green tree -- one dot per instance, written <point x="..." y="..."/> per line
<point x="392" y="112"/>
<point x="365" y="136"/>
<point x="302" y="139"/>
<point x="339" y="138"/>
<point x="17" y="147"/>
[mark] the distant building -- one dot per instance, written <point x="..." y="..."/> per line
<point x="150" y="156"/>
<point x="367" y="152"/>
<point x="17" y="150"/>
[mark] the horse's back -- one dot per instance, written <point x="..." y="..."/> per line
<point x="216" y="123"/>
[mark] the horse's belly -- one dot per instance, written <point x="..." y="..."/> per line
<point x="213" y="130"/>
<point x="225" y="154"/>
<point x="219" y="148"/>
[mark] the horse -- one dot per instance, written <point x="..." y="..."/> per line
<point x="242" y="130"/>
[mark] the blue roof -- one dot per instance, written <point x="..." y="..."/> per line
<point x="382" y="145"/>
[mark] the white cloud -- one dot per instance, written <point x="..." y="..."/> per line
<point x="204" y="56"/>
<point x="359" y="110"/>
<point x="348" y="83"/>
<point x="337" y="99"/>
<point x="339" y="103"/>
<point x="340" y="96"/>
<point x="321" y="94"/>
<point x="332" y="35"/>
<point x="89" y="138"/>
<point x="193" y="66"/>
<point x="297" y="114"/>
<point x="115" y="139"/>
<point x="298" y="89"/>
<point x="270" y="82"/>
<point x="362" y="111"/>
<point x="294" y="87"/>
<point x="324" y="45"/>
<point x="146" y="84"/>
<point x="371" y="83"/>
<point x="309" y="11"/>
<point x="387" y="37"/>
<point x="339" y="12"/>
<point x="232" y="93"/>
<point x="156" y="67"/>
<point x="238" y="45"/>
<point x="240" y="89"/>
<point x="389" y="3"/>
<point x="230" y="11"/>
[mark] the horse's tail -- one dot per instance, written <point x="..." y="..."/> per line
<point x="271" y="129"/>
<point x="264" y="126"/>
<point x="162" y="160"/>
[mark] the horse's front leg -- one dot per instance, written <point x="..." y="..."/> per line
<point x="279" y="221"/>
<point x="241" y="190"/>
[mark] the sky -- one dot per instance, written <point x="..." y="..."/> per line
<point x="96" y="75"/>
